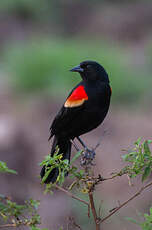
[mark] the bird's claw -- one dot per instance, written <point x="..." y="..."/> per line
<point x="89" y="154"/>
<point x="87" y="157"/>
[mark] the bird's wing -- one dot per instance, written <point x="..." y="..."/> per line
<point x="74" y="103"/>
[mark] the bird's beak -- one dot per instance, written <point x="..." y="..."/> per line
<point x="77" y="69"/>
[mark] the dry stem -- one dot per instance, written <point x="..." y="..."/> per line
<point x="127" y="201"/>
<point x="93" y="209"/>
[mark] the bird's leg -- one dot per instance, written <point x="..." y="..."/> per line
<point x="88" y="154"/>
<point x="87" y="150"/>
<point x="81" y="142"/>
<point x="75" y="146"/>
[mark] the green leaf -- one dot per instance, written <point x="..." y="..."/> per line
<point x="66" y="162"/>
<point x="5" y="169"/>
<point x="125" y="156"/>
<point x="47" y="173"/>
<point x="151" y="211"/>
<point x="137" y="143"/>
<point x="149" y="141"/>
<point x="146" y="148"/>
<point x="132" y="220"/>
<point x="147" y="172"/>
<point x="60" y="228"/>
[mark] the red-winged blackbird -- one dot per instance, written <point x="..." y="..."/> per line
<point x="84" y="109"/>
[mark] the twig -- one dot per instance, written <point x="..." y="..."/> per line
<point x="74" y="197"/>
<point x="73" y="222"/>
<point x="99" y="141"/>
<point x="101" y="179"/>
<point x="93" y="209"/>
<point x="121" y="173"/>
<point x="129" y="180"/>
<point x="127" y="201"/>
<point x="8" y="225"/>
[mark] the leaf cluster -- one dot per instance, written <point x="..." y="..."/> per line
<point x="55" y="162"/>
<point x="17" y="214"/>
<point x="80" y="177"/>
<point x="139" y="159"/>
<point x="139" y="162"/>
<point x="146" y="224"/>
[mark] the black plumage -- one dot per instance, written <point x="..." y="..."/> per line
<point x="84" y="109"/>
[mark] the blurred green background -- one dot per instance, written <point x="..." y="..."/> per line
<point x="39" y="42"/>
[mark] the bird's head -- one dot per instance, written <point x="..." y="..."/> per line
<point x="91" y="71"/>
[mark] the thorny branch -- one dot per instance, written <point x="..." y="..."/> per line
<point x="93" y="209"/>
<point x="127" y="201"/>
<point x="71" y="221"/>
<point x="89" y="181"/>
<point x="96" y="181"/>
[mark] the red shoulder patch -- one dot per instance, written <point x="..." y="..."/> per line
<point x="78" y="94"/>
<point x="77" y="97"/>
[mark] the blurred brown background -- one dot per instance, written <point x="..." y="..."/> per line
<point x="39" y="42"/>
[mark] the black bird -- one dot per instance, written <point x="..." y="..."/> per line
<point x="84" y="109"/>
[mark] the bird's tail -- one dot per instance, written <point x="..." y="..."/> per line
<point x="64" y="146"/>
